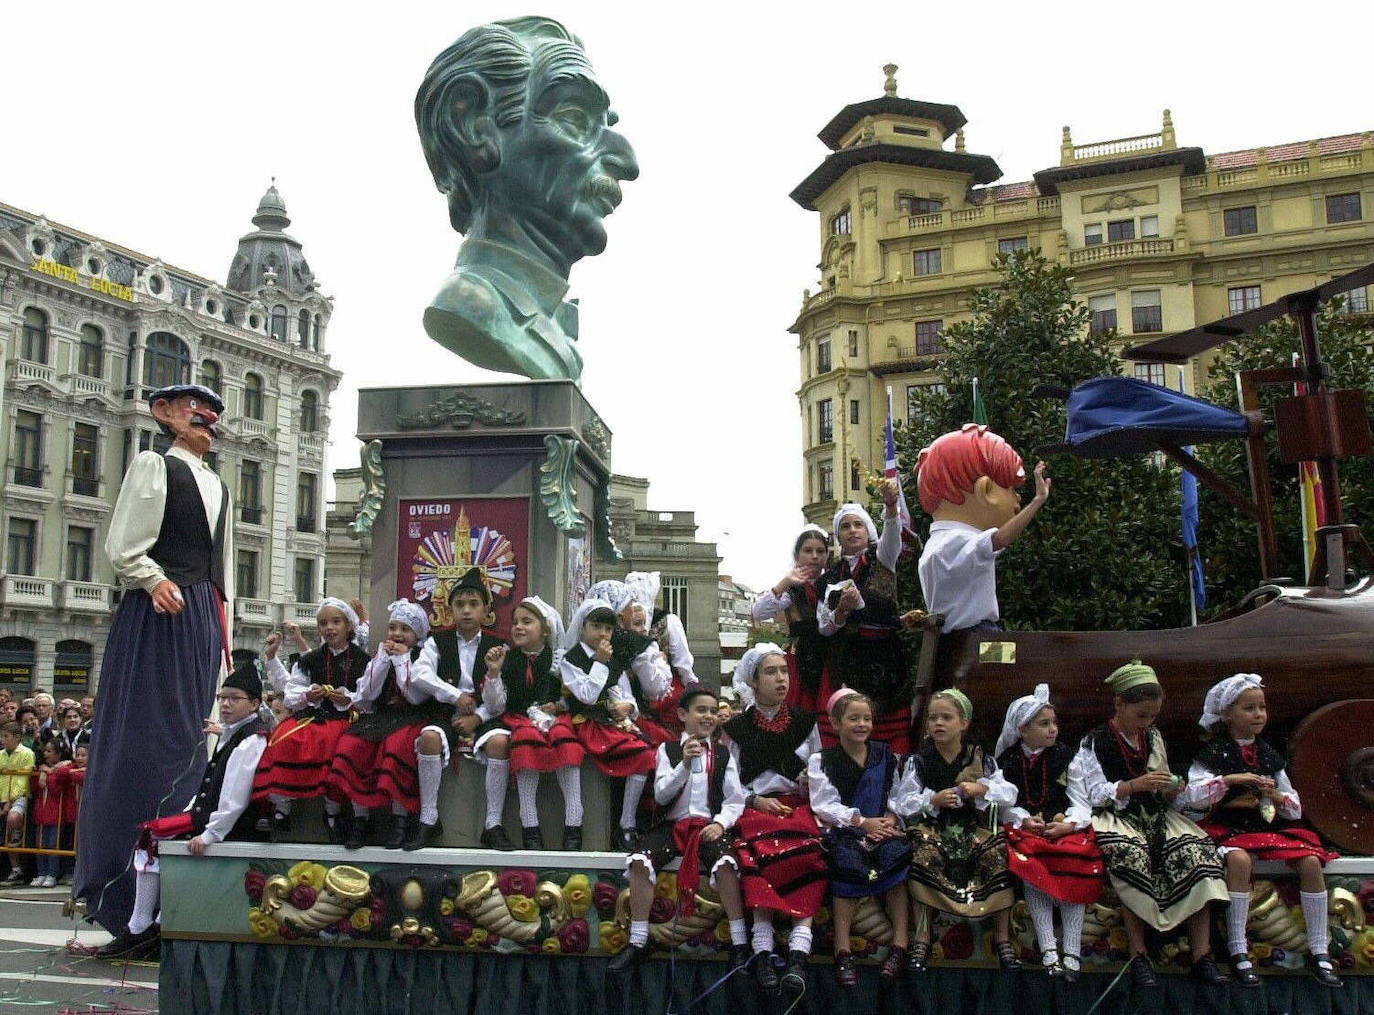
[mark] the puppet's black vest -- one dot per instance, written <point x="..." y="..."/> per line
<point x="207" y="797"/>
<point x="185" y="549"/>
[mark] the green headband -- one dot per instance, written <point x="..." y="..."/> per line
<point x="959" y="698"/>
<point x="1133" y="674"/>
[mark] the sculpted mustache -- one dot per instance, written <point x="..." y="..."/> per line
<point x="605" y="187"/>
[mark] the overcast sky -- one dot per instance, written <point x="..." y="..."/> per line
<point x="158" y="126"/>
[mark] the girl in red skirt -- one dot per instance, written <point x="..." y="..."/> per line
<point x="533" y="727"/>
<point x="794" y="599"/>
<point x="667" y="632"/>
<point x="1050" y="841"/>
<point x="603" y="709"/>
<point x="319" y="694"/>
<point x="394" y="755"/>
<point x="1238" y="788"/>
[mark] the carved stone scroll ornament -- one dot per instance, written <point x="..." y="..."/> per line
<point x="556" y="485"/>
<point x="374" y="486"/>
<point x="598" y="438"/>
<point x="605" y="544"/>
<point x="459" y="411"/>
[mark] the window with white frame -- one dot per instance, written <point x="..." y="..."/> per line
<point x="1103" y="310"/>
<point x="675" y="597"/>
<point x="1147" y="314"/>
<point x="1152" y="373"/>
<point x="1242" y="298"/>
<point x="927" y="262"/>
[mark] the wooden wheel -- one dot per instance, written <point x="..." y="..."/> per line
<point x="1332" y="768"/>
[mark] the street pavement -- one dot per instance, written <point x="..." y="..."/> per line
<point x="39" y="973"/>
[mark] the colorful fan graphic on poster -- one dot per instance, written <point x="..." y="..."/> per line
<point x="441" y="540"/>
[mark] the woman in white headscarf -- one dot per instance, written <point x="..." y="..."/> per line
<point x="793" y="601"/>
<point x="668" y="634"/>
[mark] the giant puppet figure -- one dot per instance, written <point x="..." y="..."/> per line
<point x="967" y="480"/>
<point x="169" y="541"/>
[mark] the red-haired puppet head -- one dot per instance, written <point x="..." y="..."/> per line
<point x="970" y="475"/>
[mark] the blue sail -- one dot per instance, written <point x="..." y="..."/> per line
<point x="1111" y="417"/>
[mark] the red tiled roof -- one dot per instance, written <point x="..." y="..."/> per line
<point x="1006" y="192"/>
<point x="1286" y="152"/>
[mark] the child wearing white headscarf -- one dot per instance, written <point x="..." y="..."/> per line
<point x="671" y="638"/>
<point x="319" y="692"/>
<point x="1239" y="793"/>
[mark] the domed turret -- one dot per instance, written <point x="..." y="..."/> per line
<point x="269" y="255"/>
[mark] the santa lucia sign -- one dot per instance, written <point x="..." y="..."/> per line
<point x="48" y="266"/>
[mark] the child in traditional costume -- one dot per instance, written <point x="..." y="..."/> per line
<point x="849" y="785"/>
<point x="217" y="812"/>
<point x="533" y="727"/>
<point x="967" y="480"/>
<point x="319" y="693"/>
<point x="393" y="756"/>
<point x="457" y="656"/>
<point x="1242" y="797"/>
<point x="671" y="638"/>
<point x="1163" y="867"/>
<point x="794" y="598"/>
<point x="782" y="866"/>
<point x="696" y="782"/>
<point x="1050" y="841"/>
<point x="635" y="652"/>
<point x="603" y="708"/>
<point x="958" y="854"/>
<point x="857" y="609"/>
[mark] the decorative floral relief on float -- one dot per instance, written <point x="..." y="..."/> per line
<point x="557" y="912"/>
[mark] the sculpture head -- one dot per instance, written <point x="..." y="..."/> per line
<point x="970" y="475"/>
<point x="187" y="413"/>
<point x="518" y="134"/>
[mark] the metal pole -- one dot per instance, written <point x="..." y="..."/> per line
<point x="1305" y="313"/>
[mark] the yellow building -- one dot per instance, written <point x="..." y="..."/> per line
<point x="1160" y="238"/>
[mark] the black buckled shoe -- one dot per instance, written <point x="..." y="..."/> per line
<point x="1243" y="971"/>
<point x="1072" y="966"/>
<point x="532" y="838"/>
<point x="764" y="974"/>
<point x="495" y="837"/>
<point x="1006" y="956"/>
<point x="132" y="947"/>
<point x="279" y="827"/>
<point x="1143" y="973"/>
<point x="916" y="958"/>
<point x="572" y="839"/>
<point x="627" y="958"/>
<point x="892" y="966"/>
<point x="423" y="835"/>
<point x="623" y="840"/>
<point x="1323" y="970"/>
<point x="793" y="982"/>
<point x="739" y="957"/>
<point x="1049" y="962"/>
<point x="400" y="825"/>
<point x="1205" y="971"/>
<point x="357" y="832"/>
<point x="336" y="827"/>
<point x="846" y="976"/>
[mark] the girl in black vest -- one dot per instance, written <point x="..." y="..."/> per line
<point x="794" y="599"/>
<point x="533" y="727"/>
<point x="319" y="693"/>
<point x="603" y="708"/>
<point x="1242" y="797"/>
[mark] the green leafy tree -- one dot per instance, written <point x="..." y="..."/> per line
<point x="1106" y="550"/>
<point x="1227" y="538"/>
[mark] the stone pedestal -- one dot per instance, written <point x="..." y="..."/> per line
<point x="538" y="442"/>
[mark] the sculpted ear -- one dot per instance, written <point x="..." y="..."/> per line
<point x="163" y="411"/>
<point x="474" y="128"/>
<point x="982" y="489"/>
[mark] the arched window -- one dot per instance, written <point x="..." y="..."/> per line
<point x="315" y="335"/>
<point x="277" y="329"/>
<point x="90" y="359"/>
<point x="212" y="377"/>
<point x="35" y="344"/>
<point x="303" y="329"/>
<point x="310" y="411"/>
<point x="17" y="657"/>
<point x="252" y="396"/>
<point x="166" y="360"/>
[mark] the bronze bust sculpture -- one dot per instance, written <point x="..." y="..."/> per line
<point x="518" y="135"/>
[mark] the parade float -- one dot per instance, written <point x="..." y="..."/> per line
<point x="303" y="926"/>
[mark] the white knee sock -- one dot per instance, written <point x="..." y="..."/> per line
<point x="431" y="768"/>
<point x="360" y="812"/>
<point x="570" y="782"/>
<point x="280" y="804"/>
<point x="763" y="930"/>
<point x="800" y="939"/>
<point x="1071" y="916"/>
<point x="1314" y="906"/>
<point x="332" y="807"/>
<point x="639" y="932"/>
<point x="527" y="786"/>
<point x="147" y="890"/>
<point x="1236" y="918"/>
<point x="634" y="789"/>
<point x="1041" y="908"/>
<point x="498" y="777"/>
<point x="739" y="932"/>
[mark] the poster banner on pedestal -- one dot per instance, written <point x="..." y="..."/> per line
<point x="579" y="570"/>
<point x="441" y="538"/>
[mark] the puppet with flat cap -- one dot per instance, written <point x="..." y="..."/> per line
<point x="968" y="480"/>
<point x="169" y="543"/>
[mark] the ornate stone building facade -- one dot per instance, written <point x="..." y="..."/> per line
<point x="1161" y="238"/>
<point x="89" y="326"/>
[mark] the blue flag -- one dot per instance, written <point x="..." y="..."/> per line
<point x="1190" y="532"/>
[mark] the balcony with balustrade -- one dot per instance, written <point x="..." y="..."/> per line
<point x="83" y="388"/>
<point x="26" y="592"/>
<point x="255" y="611"/>
<point x="27" y="373"/>
<point x="310" y="443"/>
<point x="85" y="597"/>
<point x="1122" y="251"/>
